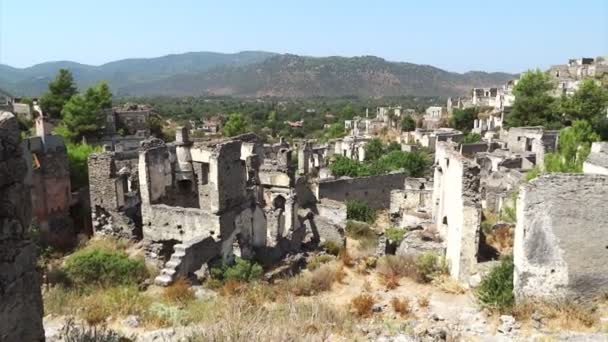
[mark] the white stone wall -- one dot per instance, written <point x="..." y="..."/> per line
<point x="561" y="247"/>
<point x="457" y="209"/>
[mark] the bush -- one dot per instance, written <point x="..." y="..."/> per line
<point x="401" y="306"/>
<point x="360" y="211"/>
<point x="104" y="267"/>
<point x="471" y="138"/>
<point x="391" y="268"/>
<point x="77" y="157"/>
<point x="429" y="266"/>
<point x="319" y="280"/>
<point x="362" y="304"/>
<point x="395" y="234"/>
<point x="242" y="270"/>
<point x="495" y="291"/>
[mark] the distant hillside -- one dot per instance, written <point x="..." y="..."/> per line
<point x="257" y="74"/>
<point x="124" y="73"/>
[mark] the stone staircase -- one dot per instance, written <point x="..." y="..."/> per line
<point x="170" y="271"/>
<point x="187" y="258"/>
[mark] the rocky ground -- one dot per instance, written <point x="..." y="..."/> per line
<point x="446" y="317"/>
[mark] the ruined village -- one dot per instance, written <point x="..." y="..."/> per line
<point x="247" y="238"/>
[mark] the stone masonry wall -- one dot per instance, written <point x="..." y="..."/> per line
<point x="561" y="238"/>
<point x="457" y="209"/>
<point x="20" y="298"/>
<point x="375" y="190"/>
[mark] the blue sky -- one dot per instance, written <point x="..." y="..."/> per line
<point x="459" y="36"/>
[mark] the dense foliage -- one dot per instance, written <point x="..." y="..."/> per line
<point x="408" y="124"/>
<point x="360" y="211"/>
<point x="471" y="138"/>
<point x="415" y="164"/>
<point x="496" y="289"/>
<point x="574" y="147"/>
<point x="82" y="114"/>
<point x="61" y="89"/>
<point x="235" y="125"/>
<point x="104" y="267"/>
<point x="77" y="157"/>
<point x="241" y="270"/>
<point x="463" y="119"/>
<point x="534" y="105"/>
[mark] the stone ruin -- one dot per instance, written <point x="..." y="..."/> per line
<point x="561" y="240"/>
<point x="21" y="309"/>
<point x="49" y="175"/>
<point x="195" y="203"/>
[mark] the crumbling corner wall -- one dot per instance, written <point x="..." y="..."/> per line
<point x="457" y="208"/>
<point x="20" y="298"/>
<point x="561" y="245"/>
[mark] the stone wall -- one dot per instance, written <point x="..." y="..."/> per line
<point x="561" y="247"/>
<point x="413" y="204"/>
<point x="20" y="298"/>
<point x="374" y="190"/>
<point x="114" y="194"/>
<point x="457" y="208"/>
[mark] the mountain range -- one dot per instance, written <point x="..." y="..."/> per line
<point x="254" y="74"/>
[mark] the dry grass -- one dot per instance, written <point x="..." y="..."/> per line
<point x="179" y="291"/>
<point x="311" y="283"/>
<point x="105" y="243"/>
<point x="232" y="287"/>
<point x="362" y="305"/>
<point x="96" y="305"/>
<point x="401" y="306"/>
<point x="423" y="302"/>
<point x="448" y="284"/>
<point x="233" y="319"/>
<point x="564" y="315"/>
<point x="346" y="259"/>
<point x="502" y="239"/>
<point x="392" y="268"/>
<point x="318" y="260"/>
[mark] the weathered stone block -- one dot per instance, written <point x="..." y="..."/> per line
<point x="561" y="245"/>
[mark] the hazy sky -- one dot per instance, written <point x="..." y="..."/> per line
<point x="508" y="35"/>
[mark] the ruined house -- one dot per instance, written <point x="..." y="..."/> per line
<point x="114" y="194"/>
<point x="534" y="140"/>
<point x="428" y="138"/>
<point x="412" y="205"/>
<point x="484" y="97"/>
<point x="49" y="176"/>
<point x="21" y="309"/>
<point x="126" y="126"/>
<point x="199" y="202"/>
<point x="560" y="248"/>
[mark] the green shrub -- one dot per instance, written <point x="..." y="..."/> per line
<point x="395" y="234"/>
<point x="242" y="270"/>
<point x="360" y="211"/>
<point x="332" y="247"/>
<point x="495" y="291"/>
<point x="104" y="267"/>
<point x="471" y="138"/>
<point x="77" y="157"/>
<point x="429" y="266"/>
